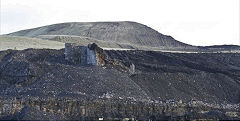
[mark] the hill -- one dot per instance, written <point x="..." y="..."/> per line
<point x="130" y="33"/>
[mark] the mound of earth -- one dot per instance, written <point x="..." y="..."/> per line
<point x="125" y="34"/>
<point x="121" y="32"/>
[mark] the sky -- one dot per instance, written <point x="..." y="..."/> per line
<point x="196" y="22"/>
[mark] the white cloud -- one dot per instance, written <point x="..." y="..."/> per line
<point x="198" y="22"/>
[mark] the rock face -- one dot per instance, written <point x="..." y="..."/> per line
<point x="108" y="109"/>
<point x="121" y="32"/>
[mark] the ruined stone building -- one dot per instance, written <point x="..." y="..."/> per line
<point x="84" y="55"/>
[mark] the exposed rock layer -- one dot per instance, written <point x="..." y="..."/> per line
<point x="69" y="109"/>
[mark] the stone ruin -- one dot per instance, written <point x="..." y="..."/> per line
<point x="84" y="55"/>
<point x="92" y="55"/>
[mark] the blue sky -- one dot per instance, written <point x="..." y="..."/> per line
<point x="197" y="22"/>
